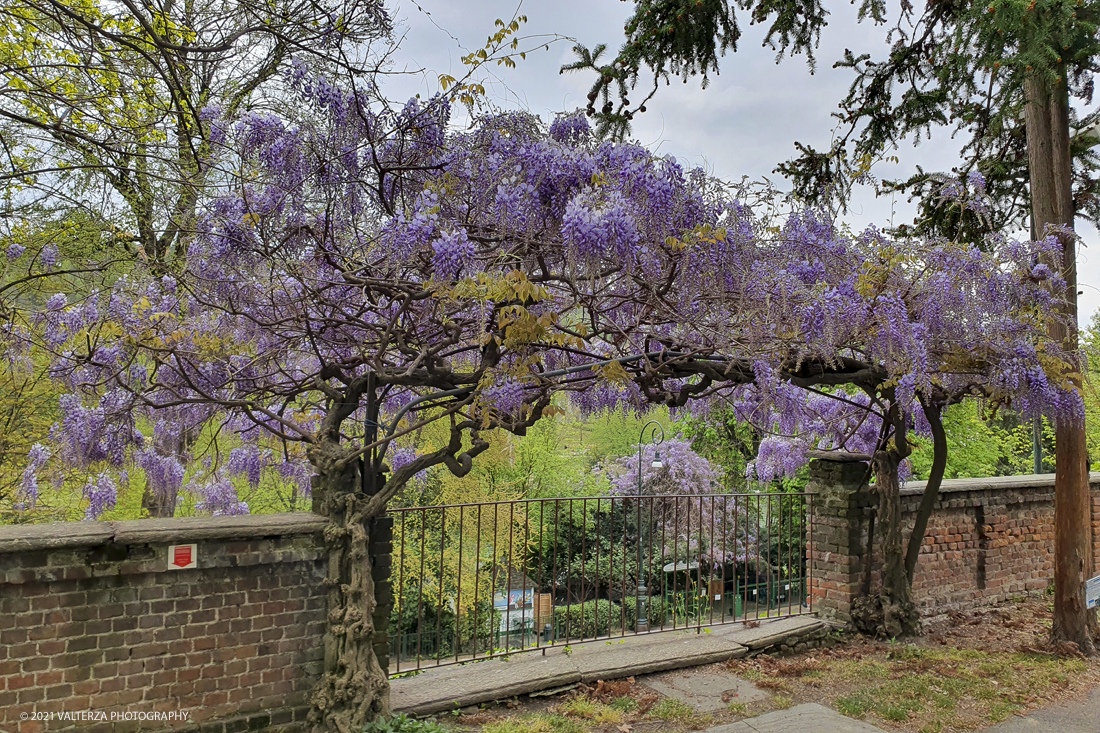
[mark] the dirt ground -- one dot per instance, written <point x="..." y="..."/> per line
<point x="967" y="672"/>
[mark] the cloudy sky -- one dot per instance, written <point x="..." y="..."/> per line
<point x="744" y="123"/>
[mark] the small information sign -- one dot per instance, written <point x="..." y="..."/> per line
<point x="1092" y="592"/>
<point x="182" y="557"/>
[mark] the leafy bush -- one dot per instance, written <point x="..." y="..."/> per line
<point x="404" y="724"/>
<point x="591" y="618"/>
<point x="656" y="611"/>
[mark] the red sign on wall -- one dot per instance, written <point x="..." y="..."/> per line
<point x="182" y="557"/>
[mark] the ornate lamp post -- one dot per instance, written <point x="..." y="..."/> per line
<point x="656" y="436"/>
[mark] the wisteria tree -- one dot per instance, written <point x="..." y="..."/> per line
<point x="375" y="271"/>
<point x="1000" y="74"/>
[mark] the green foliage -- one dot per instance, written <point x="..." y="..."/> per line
<point x="588" y="619"/>
<point x="28" y="407"/>
<point x="613" y="434"/>
<point x="976" y="446"/>
<point x="721" y="439"/>
<point x="402" y="723"/>
<point x="657" y="611"/>
<point x="1090" y="345"/>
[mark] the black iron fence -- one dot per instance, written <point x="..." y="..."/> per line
<point x="481" y="580"/>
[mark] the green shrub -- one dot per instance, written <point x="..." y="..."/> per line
<point x="404" y="724"/>
<point x="656" y="611"/>
<point x="591" y="618"/>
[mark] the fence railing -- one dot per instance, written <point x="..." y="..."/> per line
<point x="481" y="580"/>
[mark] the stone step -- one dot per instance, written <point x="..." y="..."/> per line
<point x="444" y="688"/>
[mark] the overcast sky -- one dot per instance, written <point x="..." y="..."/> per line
<point x="744" y="123"/>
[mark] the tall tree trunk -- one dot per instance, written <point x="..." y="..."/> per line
<point x="1049" y="161"/>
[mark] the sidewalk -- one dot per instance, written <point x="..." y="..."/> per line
<point x="1073" y="717"/>
<point x="443" y="689"/>
<point x="809" y="718"/>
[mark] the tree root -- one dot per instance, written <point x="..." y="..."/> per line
<point x="881" y="616"/>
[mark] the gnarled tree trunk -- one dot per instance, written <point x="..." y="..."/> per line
<point x="354" y="689"/>
<point x="890" y="611"/>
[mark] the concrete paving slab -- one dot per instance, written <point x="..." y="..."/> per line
<point x="808" y="718"/>
<point x="773" y="632"/>
<point x="1082" y="716"/>
<point x="705" y="692"/>
<point x="654" y="653"/>
<point x="441" y="689"/>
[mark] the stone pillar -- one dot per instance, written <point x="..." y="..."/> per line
<point x="381" y="558"/>
<point x="839" y="514"/>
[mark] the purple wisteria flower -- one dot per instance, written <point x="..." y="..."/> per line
<point x="778" y="457"/>
<point x="1041" y="272"/>
<point x="506" y="396"/>
<point x="686" y="491"/>
<point x="90" y="434"/>
<point x="27" y="496"/>
<point x="163" y="474"/>
<point x="300" y="472"/>
<point x="451" y="252"/>
<point x="248" y="461"/>
<point x="572" y="128"/>
<point x="101" y="493"/>
<point x="976" y="181"/>
<point x="15" y="251"/>
<point x="48" y="256"/>
<point x="219" y="498"/>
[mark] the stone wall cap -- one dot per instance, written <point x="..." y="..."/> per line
<point x="839" y="456"/>
<point x="29" y="537"/>
<point x="994" y="483"/>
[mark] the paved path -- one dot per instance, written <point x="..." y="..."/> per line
<point x="809" y="718"/>
<point x="704" y="691"/>
<point x="1082" y="716"/>
<point x="443" y="688"/>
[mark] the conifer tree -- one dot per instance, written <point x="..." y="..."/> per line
<point x="1002" y="75"/>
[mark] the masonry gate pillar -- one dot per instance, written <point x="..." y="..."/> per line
<point x="840" y="519"/>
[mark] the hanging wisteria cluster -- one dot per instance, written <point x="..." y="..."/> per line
<point x="506" y="263"/>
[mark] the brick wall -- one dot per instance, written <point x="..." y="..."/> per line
<point x="988" y="540"/>
<point x="93" y="623"/>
